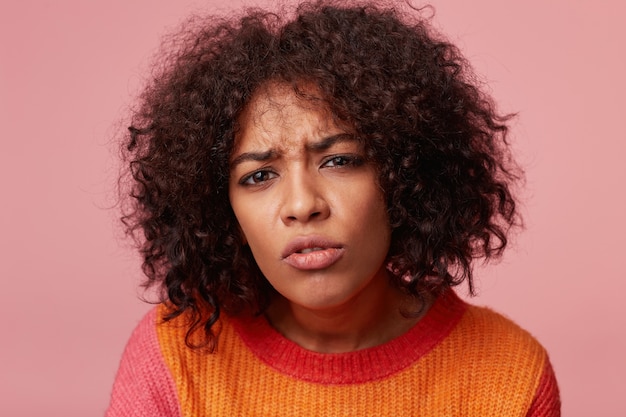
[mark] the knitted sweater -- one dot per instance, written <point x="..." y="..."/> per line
<point x="459" y="360"/>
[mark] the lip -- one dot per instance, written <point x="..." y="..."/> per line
<point x="326" y="253"/>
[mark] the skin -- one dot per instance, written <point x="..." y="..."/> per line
<point x="309" y="206"/>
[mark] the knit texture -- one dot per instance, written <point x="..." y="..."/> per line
<point x="459" y="360"/>
<point x="143" y="386"/>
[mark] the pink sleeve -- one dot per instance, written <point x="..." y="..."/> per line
<point x="547" y="402"/>
<point x="143" y="386"/>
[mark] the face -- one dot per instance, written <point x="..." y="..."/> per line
<point x="307" y="202"/>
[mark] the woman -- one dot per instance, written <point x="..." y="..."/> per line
<point x="305" y="191"/>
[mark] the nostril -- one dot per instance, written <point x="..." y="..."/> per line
<point x="311" y="216"/>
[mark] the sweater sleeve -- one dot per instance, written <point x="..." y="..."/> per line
<point x="547" y="402"/>
<point x="143" y="386"/>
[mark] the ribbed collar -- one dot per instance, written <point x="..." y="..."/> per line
<point x="360" y="366"/>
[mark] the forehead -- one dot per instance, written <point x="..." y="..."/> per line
<point x="278" y="113"/>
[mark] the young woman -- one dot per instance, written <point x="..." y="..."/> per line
<point x="305" y="191"/>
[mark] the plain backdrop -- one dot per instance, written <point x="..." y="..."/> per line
<point x="68" y="297"/>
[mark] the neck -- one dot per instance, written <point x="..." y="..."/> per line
<point x="368" y="320"/>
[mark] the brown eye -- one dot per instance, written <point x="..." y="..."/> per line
<point x="258" y="177"/>
<point x="342" y="161"/>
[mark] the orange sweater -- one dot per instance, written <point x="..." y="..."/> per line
<point x="459" y="360"/>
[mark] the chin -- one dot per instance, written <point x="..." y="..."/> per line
<point x="327" y="301"/>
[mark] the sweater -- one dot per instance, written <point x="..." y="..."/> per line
<point x="458" y="360"/>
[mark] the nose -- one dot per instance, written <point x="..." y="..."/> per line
<point x="303" y="199"/>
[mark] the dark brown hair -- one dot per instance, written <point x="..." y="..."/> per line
<point x="437" y="141"/>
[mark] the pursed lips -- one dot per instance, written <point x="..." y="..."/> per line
<point x="312" y="253"/>
<point x="309" y="250"/>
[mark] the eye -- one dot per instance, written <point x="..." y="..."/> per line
<point x="342" y="161"/>
<point x="258" y="177"/>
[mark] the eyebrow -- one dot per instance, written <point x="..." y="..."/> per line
<point x="252" y="156"/>
<point x="329" y="141"/>
<point x="318" y="146"/>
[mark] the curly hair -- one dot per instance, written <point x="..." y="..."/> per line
<point x="437" y="141"/>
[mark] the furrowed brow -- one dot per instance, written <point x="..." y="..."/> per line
<point x="252" y="156"/>
<point x="319" y="146"/>
<point x="326" y="143"/>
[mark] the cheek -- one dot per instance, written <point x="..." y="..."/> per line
<point x="252" y="236"/>
<point x="378" y="224"/>
<point x="244" y="211"/>
<point x="242" y="236"/>
<point x="246" y="228"/>
<point x="255" y="232"/>
<point x="371" y="210"/>
<point x="365" y="212"/>
<point x="244" y="224"/>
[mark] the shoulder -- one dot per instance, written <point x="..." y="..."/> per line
<point x="502" y="365"/>
<point x="490" y="331"/>
<point x="509" y="349"/>
<point x="143" y="342"/>
<point x="498" y="346"/>
<point x="482" y="333"/>
<point x="143" y="385"/>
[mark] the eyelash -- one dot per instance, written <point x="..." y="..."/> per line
<point x="348" y="161"/>
<point x="338" y="161"/>
<point x="248" y="180"/>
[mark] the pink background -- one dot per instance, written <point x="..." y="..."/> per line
<point x="68" y="71"/>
